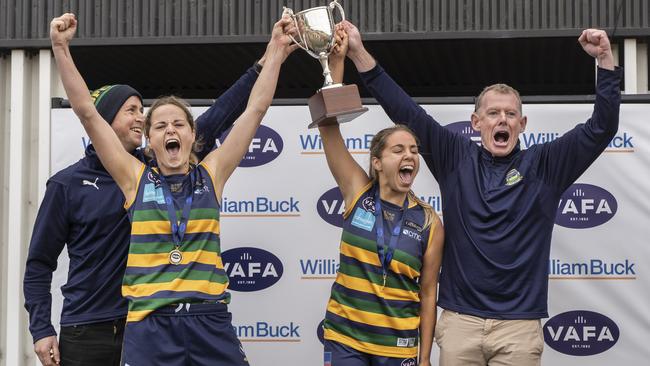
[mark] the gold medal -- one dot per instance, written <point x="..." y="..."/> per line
<point x="175" y="257"/>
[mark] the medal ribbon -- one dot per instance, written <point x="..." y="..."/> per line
<point x="385" y="252"/>
<point x="178" y="227"/>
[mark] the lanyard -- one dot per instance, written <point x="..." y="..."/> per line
<point x="178" y="227"/>
<point x="384" y="251"/>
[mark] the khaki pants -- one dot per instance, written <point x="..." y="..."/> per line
<point x="470" y="340"/>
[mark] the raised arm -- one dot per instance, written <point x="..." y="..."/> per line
<point x="566" y="158"/>
<point x="118" y="162"/>
<point x="223" y="161"/>
<point x="349" y="176"/>
<point x="440" y="148"/>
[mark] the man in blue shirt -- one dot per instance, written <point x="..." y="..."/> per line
<point x="499" y="205"/>
<point x="83" y="209"/>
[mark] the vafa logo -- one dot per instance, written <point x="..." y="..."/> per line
<point x="581" y="333"/>
<point x="251" y="269"/>
<point x="585" y="206"/>
<point x="330" y="207"/>
<point x="465" y="128"/>
<point x="264" y="148"/>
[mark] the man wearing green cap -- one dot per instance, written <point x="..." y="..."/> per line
<point x="83" y="209"/>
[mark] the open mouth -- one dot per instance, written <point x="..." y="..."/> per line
<point x="501" y="138"/>
<point x="136" y="130"/>
<point x="173" y="146"/>
<point x="406" y="174"/>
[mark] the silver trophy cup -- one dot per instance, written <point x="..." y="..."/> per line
<point x="316" y="28"/>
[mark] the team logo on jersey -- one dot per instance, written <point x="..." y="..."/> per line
<point x="513" y="177"/>
<point x="368" y="204"/>
<point x="363" y="219"/>
<point x="153" y="178"/>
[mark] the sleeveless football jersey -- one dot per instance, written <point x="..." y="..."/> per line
<point x="151" y="281"/>
<point x="364" y="312"/>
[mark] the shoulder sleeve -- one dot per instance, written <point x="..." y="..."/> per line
<point x="48" y="239"/>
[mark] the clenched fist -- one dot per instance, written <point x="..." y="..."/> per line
<point x="596" y="43"/>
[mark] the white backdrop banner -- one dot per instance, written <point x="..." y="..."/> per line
<point x="281" y="229"/>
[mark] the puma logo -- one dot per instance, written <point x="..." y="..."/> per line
<point x="86" y="182"/>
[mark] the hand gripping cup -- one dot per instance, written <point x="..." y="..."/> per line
<point x="333" y="103"/>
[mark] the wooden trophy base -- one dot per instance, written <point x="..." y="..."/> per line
<point x="333" y="105"/>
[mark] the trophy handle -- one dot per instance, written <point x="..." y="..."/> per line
<point x="300" y="44"/>
<point x="326" y="70"/>
<point x="334" y="4"/>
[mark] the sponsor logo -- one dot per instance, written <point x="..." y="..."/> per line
<point x="251" y="269"/>
<point x="313" y="144"/>
<point x="584" y="206"/>
<point x="363" y="219"/>
<point x="260" y="206"/>
<point x="433" y="201"/>
<point x="86" y="182"/>
<point x="622" y="142"/>
<point x="581" y="333"/>
<point x="330" y="207"/>
<point x="465" y="128"/>
<point x="319" y="268"/>
<point x="320" y="331"/>
<point x="201" y="187"/>
<point x="528" y="139"/>
<point x="411" y="234"/>
<point x="413" y="225"/>
<point x="153" y="193"/>
<point x="513" y="177"/>
<point x="408" y="362"/>
<point x="591" y="269"/>
<point x="264" y="148"/>
<point x="268" y="332"/>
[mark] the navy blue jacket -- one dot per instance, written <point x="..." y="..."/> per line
<point x="498" y="236"/>
<point x="83" y="208"/>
